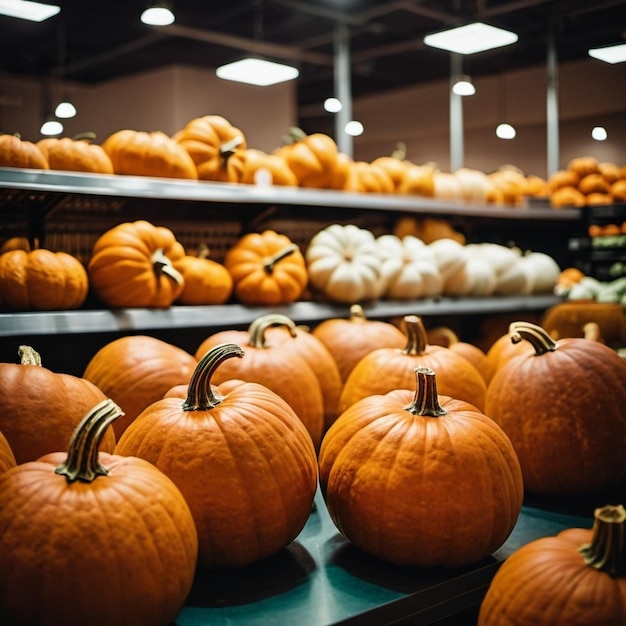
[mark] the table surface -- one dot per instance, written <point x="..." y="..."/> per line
<point x="322" y="579"/>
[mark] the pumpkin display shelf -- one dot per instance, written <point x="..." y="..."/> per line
<point x="70" y="210"/>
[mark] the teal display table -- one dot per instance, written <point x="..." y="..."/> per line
<point x="322" y="579"/>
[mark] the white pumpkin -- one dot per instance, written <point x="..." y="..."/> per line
<point x="447" y="187"/>
<point x="343" y="263"/>
<point x="473" y="185"/>
<point x="409" y="268"/>
<point x="475" y="278"/>
<point x="542" y="271"/>
<point x="450" y="256"/>
<point x="511" y="278"/>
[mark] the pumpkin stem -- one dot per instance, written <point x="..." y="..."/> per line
<point x="162" y="265"/>
<point x="201" y="396"/>
<point x="400" y="151"/>
<point x="535" y="335"/>
<point x="29" y="356"/>
<point x="417" y="340"/>
<point x="426" y="400"/>
<point x="607" y="550"/>
<point x="227" y="149"/>
<point x="88" y="136"/>
<point x="294" y="135"/>
<point x="256" y="330"/>
<point x="356" y="313"/>
<point x="270" y="261"/>
<point x="82" y="457"/>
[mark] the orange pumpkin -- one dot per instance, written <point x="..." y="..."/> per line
<point x="42" y="280"/>
<point x="254" y="470"/>
<point x="76" y="154"/>
<point x="131" y="265"/>
<point x="267" y="269"/>
<point x="576" y="577"/>
<point x="7" y="458"/>
<point x="501" y="351"/>
<point x="299" y="340"/>
<point x="205" y="281"/>
<point x="420" y="479"/>
<point x="139" y="153"/>
<point x="350" y="339"/>
<point x="255" y="167"/>
<point x="367" y="177"/>
<point x="276" y="367"/>
<point x="15" y="152"/>
<point x="41" y="408"/>
<point x="446" y="337"/>
<point x="562" y="405"/>
<point x="211" y="140"/>
<point x="395" y="164"/>
<point x="136" y="370"/>
<point x="419" y="180"/>
<point x="118" y="529"/>
<point x="385" y="369"/>
<point x="312" y="158"/>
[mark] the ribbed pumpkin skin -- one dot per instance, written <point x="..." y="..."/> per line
<point x="7" y="458"/>
<point x="17" y="153"/>
<point x="421" y="491"/>
<point x="100" y="553"/>
<point x="286" y="374"/>
<point x="246" y="467"/>
<point x="42" y="280"/>
<point x="136" y="371"/>
<point x="350" y="339"/>
<point x="75" y="155"/>
<point x="122" y="271"/>
<point x="386" y="369"/>
<point x="564" y="414"/>
<point x="41" y="408"/>
<point x="547" y="582"/>
<point x="139" y="153"/>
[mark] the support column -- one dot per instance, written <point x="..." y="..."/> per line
<point x="456" y="116"/>
<point x="343" y="89"/>
<point x="552" y="107"/>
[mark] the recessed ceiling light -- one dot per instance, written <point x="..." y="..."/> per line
<point x="471" y="38"/>
<point x="610" y="54"/>
<point x="257" y="72"/>
<point x="25" y="10"/>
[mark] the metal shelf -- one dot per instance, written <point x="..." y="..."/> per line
<point x="77" y="183"/>
<point x="181" y="317"/>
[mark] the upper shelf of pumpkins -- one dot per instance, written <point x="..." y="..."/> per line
<point x="210" y="149"/>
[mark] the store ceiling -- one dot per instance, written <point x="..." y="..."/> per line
<point x="90" y="42"/>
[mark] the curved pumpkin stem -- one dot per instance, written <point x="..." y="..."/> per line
<point x="200" y="394"/>
<point x="417" y="340"/>
<point x="29" y="356"/>
<point x="257" y="329"/>
<point x="162" y="265"/>
<point x="426" y="400"/>
<point x="88" y="136"/>
<point x="607" y="550"/>
<point x="270" y="261"/>
<point x="535" y="335"/>
<point x="82" y="457"/>
<point x="228" y="148"/>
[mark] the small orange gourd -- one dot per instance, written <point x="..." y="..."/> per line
<point x="93" y="538"/>
<point x="576" y="577"/>
<point x="42" y="280"/>
<point x="205" y="281"/>
<point x="240" y="456"/>
<point x="419" y="479"/>
<point x="132" y="265"/>
<point x="267" y="269"/>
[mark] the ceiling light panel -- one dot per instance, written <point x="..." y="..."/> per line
<point x="610" y="54"/>
<point x="471" y="38"/>
<point x="33" y="11"/>
<point x="257" y="72"/>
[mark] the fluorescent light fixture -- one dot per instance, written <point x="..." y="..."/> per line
<point x="332" y="105"/>
<point x="257" y="72"/>
<point x="505" y="131"/>
<point x="599" y="133"/>
<point x="464" y="86"/>
<point x="33" y="11"/>
<point x="471" y="38"/>
<point x="65" y="110"/>
<point x="51" y="127"/>
<point x="609" y="54"/>
<point x="158" y="15"/>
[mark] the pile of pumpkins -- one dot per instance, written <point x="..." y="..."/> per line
<point x="210" y="148"/>
<point x="158" y="462"/>
<point x="139" y="264"/>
